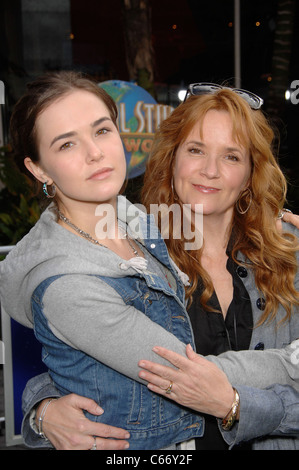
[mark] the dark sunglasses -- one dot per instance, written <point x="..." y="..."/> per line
<point x="254" y="101"/>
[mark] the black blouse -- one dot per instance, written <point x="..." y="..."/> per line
<point x="213" y="335"/>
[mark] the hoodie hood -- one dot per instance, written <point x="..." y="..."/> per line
<point x="49" y="249"/>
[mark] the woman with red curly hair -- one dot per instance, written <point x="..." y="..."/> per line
<point x="214" y="154"/>
<point x="250" y="220"/>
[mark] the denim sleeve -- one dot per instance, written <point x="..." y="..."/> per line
<point x="37" y="389"/>
<point x="273" y="411"/>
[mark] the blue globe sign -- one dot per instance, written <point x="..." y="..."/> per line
<point x="139" y="117"/>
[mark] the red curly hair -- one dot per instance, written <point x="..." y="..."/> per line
<point x="271" y="254"/>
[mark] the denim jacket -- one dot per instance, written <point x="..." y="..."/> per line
<point x="153" y="421"/>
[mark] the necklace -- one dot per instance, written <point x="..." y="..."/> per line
<point x="89" y="237"/>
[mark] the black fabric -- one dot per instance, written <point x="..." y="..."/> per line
<point x="213" y="335"/>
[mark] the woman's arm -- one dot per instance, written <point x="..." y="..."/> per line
<point x="274" y="411"/>
<point x="119" y="335"/>
<point x="65" y="424"/>
<point x="194" y="378"/>
<point x="213" y="394"/>
<point x="67" y="428"/>
<point x="201" y="385"/>
<point x="261" y="368"/>
<point x="89" y="315"/>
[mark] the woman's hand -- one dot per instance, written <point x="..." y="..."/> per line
<point x="290" y="218"/>
<point x="196" y="382"/>
<point x="67" y="428"/>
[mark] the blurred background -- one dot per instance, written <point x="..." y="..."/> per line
<point x="159" y="45"/>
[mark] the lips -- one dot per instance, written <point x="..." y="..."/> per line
<point x="101" y="174"/>
<point x="205" y="189"/>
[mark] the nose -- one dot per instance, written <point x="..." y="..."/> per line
<point x="209" y="167"/>
<point x="93" y="151"/>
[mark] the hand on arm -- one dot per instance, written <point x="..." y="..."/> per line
<point x="290" y="218"/>
<point x="132" y="334"/>
<point x="197" y="383"/>
<point x="67" y="428"/>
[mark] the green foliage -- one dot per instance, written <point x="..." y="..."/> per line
<point x="19" y="207"/>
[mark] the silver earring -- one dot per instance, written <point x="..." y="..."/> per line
<point x="45" y="190"/>
<point x="173" y="190"/>
<point x="247" y="193"/>
<point x="171" y="183"/>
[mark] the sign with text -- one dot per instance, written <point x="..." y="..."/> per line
<point x="139" y="117"/>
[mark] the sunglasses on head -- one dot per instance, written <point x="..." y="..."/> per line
<point x="254" y="101"/>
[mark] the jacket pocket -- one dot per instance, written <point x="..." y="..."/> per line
<point x="135" y="404"/>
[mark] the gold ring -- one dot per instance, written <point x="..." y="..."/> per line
<point x="168" y="390"/>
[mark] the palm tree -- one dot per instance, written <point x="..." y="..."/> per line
<point x="138" y="42"/>
<point x="281" y="56"/>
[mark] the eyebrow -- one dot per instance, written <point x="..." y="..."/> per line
<point x="234" y="149"/>
<point x="195" y="142"/>
<point x="201" y="144"/>
<point x="73" y="133"/>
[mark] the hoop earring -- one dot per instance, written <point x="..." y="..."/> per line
<point x="175" y="197"/>
<point x="45" y="190"/>
<point x="246" y="193"/>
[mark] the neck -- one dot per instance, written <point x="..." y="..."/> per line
<point x="99" y="220"/>
<point x="216" y="231"/>
<point x="115" y="240"/>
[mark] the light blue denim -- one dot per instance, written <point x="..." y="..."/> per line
<point x="153" y="421"/>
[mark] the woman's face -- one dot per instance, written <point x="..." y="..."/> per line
<point x="212" y="169"/>
<point x="80" y="150"/>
